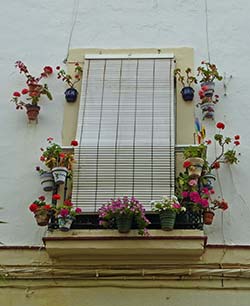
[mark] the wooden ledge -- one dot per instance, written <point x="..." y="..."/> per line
<point x="105" y="246"/>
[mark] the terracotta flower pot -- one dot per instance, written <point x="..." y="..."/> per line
<point x="32" y="111"/>
<point x="195" y="169"/>
<point x="42" y="217"/>
<point x="208" y="217"/>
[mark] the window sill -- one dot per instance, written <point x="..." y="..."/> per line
<point x="107" y="246"/>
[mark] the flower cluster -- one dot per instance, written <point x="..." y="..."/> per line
<point x="228" y="156"/>
<point x="67" y="78"/>
<point x="123" y="206"/>
<point x="66" y="209"/>
<point x="34" y="89"/>
<point x="167" y="203"/>
<point x="39" y="204"/>
<point x="53" y="156"/>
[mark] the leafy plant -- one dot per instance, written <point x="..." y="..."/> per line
<point x="35" y="89"/>
<point x="208" y="72"/>
<point x="67" y="78"/>
<point x="167" y="203"/>
<point x="185" y="80"/>
<point x="195" y="151"/>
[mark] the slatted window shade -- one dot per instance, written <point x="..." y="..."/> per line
<point x="126" y="131"/>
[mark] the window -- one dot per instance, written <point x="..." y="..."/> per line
<point x="126" y="130"/>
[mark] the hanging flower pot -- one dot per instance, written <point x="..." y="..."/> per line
<point x="64" y="223"/>
<point x="59" y="174"/>
<point x="208" y="217"/>
<point x="42" y="217"/>
<point x="32" y="111"/>
<point x="208" y="180"/>
<point x="187" y="93"/>
<point x="167" y="218"/>
<point x="208" y="110"/>
<point x="124" y="223"/>
<point x="208" y="88"/>
<point x="195" y="166"/>
<point x="47" y="181"/>
<point x="71" y="95"/>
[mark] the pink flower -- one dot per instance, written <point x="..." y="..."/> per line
<point x="64" y="212"/>
<point x="176" y="205"/>
<point x="204" y="202"/>
<point x="192" y="182"/>
<point x="204" y="88"/>
<point x="68" y="203"/>
<point x="185" y="194"/>
<point x="78" y="210"/>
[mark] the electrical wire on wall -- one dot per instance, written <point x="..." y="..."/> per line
<point x="73" y="23"/>
<point x="207" y="32"/>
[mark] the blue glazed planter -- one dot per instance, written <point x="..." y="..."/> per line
<point x="187" y="93"/>
<point x="71" y="95"/>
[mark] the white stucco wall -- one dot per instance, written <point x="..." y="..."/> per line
<point x="38" y="34"/>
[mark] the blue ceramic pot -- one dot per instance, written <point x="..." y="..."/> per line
<point x="71" y="95"/>
<point x="187" y="93"/>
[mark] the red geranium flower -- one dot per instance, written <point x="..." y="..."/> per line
<point x="186" y="164"/>
<point x="237" y="137"/>
<point x="48" y="69"/>
<point x="68" y="203"/>
<point x="208" y="141"/>
<point x="56" y="196"/>
<point x="24" y="91"/>
<point x="58" y="67"/>
<point x="41" y="198"/>
<point x="220" y="125"/>
<point x="47" y="206"/>
<point x="237" y="143"/>
<point x="16" y="94"/>
<point x="74" y="143"/>
<point x="33" y="207"/>
<point x="216" y="165"/>
<point x="42" y="158"/>
<point x="62" y="155"/>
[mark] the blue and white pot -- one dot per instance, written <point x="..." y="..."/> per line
<point x="187" y="93"/>
<point x="210" y="88"/>
<point x="64" y="223"/>
<point x="59" y="174"/>
<point x="47" y="181"/>
<point x="71" y="94"/>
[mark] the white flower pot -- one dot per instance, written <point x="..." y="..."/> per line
<point x="59" y="174"/>
<point x="195" y="169"/>
<point x="210" y="88"/>
<point x="47" y="181"/>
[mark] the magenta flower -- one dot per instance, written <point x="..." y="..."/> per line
<point x="64" y="212"/>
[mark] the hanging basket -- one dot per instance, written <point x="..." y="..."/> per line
<point x="59" y="174"/>
<point x="195" y="169"/>
<point x="208" y="217"/>
<point x="64" y="223"/>
<point x="32" y="111"/>
<point x="124" y="223"/>
<point x="209" y="88"/>
<point x="47" y="181"/>
<point x="71" y="95"/>
<point x="187" y="93"/>
<point x="42" y="217"/>
<point x="167" y="218"/>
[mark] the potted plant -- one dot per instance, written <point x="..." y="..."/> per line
<point x="186" y="81"/>
<point x="207" y="104"/>
<point x="121" y="212"/>
<point x="65" y="213"/>
<point x="167" y="209"/>
<point x="208" y="73"/>
<point x="29" y="97"/>
<point x="41" y="210"/>
<point x="59" y="162"/>
<point x="70" y="93"/>
<point x="208" y="214"/>
<point x="47" y="180"/>
<point x="195" y="157"/>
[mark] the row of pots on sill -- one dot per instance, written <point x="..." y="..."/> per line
<point x="188" y="92"/>
<point x="123" y="222"/>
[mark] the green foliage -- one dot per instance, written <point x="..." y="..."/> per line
<point x="185" y="80"/>
<point x="208" y="72"/>
<point x="195" y="151"/>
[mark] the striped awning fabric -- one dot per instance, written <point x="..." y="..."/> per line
<point x="126" y="131"/>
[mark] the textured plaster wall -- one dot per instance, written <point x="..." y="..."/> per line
<point x="38" y="33"/>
